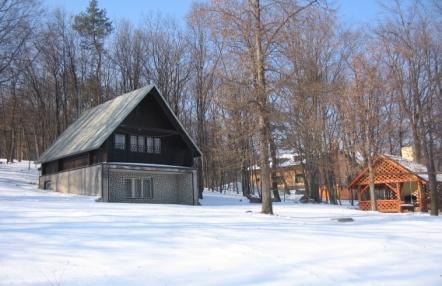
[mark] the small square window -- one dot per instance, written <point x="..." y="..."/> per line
<point x="299" y="178"/>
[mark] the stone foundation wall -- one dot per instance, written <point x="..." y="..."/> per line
<point x="168" y="187"/>
<point x="185" y="189"/>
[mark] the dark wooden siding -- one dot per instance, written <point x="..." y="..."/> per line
<point x="49" y="167"/>
<point x="173" y="151"/>
<point x="148" y="114"/>
<point x="149" y="119"/>
<point x="74" y="162"/>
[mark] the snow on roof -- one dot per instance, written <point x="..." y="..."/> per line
<point x="152" y="165"/>
<point x="95" y="125"/>
<point x="285" y="158"/>
<point x="418" y="169"/>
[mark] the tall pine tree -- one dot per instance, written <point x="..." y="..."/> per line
<point x="94" y="26"/>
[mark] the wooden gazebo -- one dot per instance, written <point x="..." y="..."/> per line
<point x="399" y="185"/>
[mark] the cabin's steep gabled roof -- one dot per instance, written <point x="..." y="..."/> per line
<point x="95" y="125"/>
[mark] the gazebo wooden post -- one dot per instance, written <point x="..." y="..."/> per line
<point x="398" y="194"/>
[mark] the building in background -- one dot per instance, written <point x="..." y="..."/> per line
<point x="290" y="175"/>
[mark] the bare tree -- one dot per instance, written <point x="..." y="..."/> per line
<point x="251" y="32"/>
<point x="204" y="60"/>
<point x="130" y="56"/>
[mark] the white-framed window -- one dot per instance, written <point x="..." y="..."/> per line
<point x="141" y="147"/>
<point x="136" y="191"/>
<point x="147" y="185"/>
<point x="138" y="188"/>
<point x="128" y="187"/>
<point x="157" y="144"/>
<point x="120" y="141"/>
<point x="149" y="144"/>
<point x="133" y="143"/>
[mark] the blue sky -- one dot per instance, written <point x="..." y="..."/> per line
<point x="351" y="12"/>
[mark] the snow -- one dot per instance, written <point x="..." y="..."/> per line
<point x="285" y="158"/>
<point x="56" y="239"/>
<point x="414" y="167"/>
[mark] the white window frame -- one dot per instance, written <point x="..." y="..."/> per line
<point x="149" y="145"/>
<point x="133" y="143"/>
<point x="118" y="145"/>
<point x="157" y="145"/>
<point x="149" y="181"/>
<point x="141" y="142"/>
<point x="143" y="180"/>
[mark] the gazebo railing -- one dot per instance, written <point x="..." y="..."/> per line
<point x="382" y="205"/>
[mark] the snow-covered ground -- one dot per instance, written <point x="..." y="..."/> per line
<point x="54" y="239"/>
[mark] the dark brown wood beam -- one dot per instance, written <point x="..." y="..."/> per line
<point x="147" y="129"/>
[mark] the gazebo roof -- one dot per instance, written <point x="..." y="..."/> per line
<point x="390" y="168"/>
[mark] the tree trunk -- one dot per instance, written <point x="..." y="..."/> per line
<point x="245" y="178"/>
<point x="263" y="119"/>
<point x="368" y="151"/>
<point x="12" y="147"/>
<point x="431" y="169"/>
<point x="274" y="168"/>
<point x="200" y="177"/>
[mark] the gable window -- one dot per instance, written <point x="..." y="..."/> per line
<point x="157" y="144"/>
<point x="149" y="145"/>
<point x="120" y="141"/>
<point x="133" y="143"/>
<point x="153" y="145"/>
<point x="141" y="144"/>
<point x="138" y="188"/>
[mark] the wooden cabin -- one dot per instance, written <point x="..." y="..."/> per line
<point x="400" y="185"/>
<point x="291" y="178"/>
<point x="129" y="149"/>
<point x="342" y="193"/>
<point x="289" y="174"/>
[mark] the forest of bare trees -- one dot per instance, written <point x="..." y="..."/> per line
<point x="246" y="77"/>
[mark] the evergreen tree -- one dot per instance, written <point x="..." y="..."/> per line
<point x="94" y="26"/>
